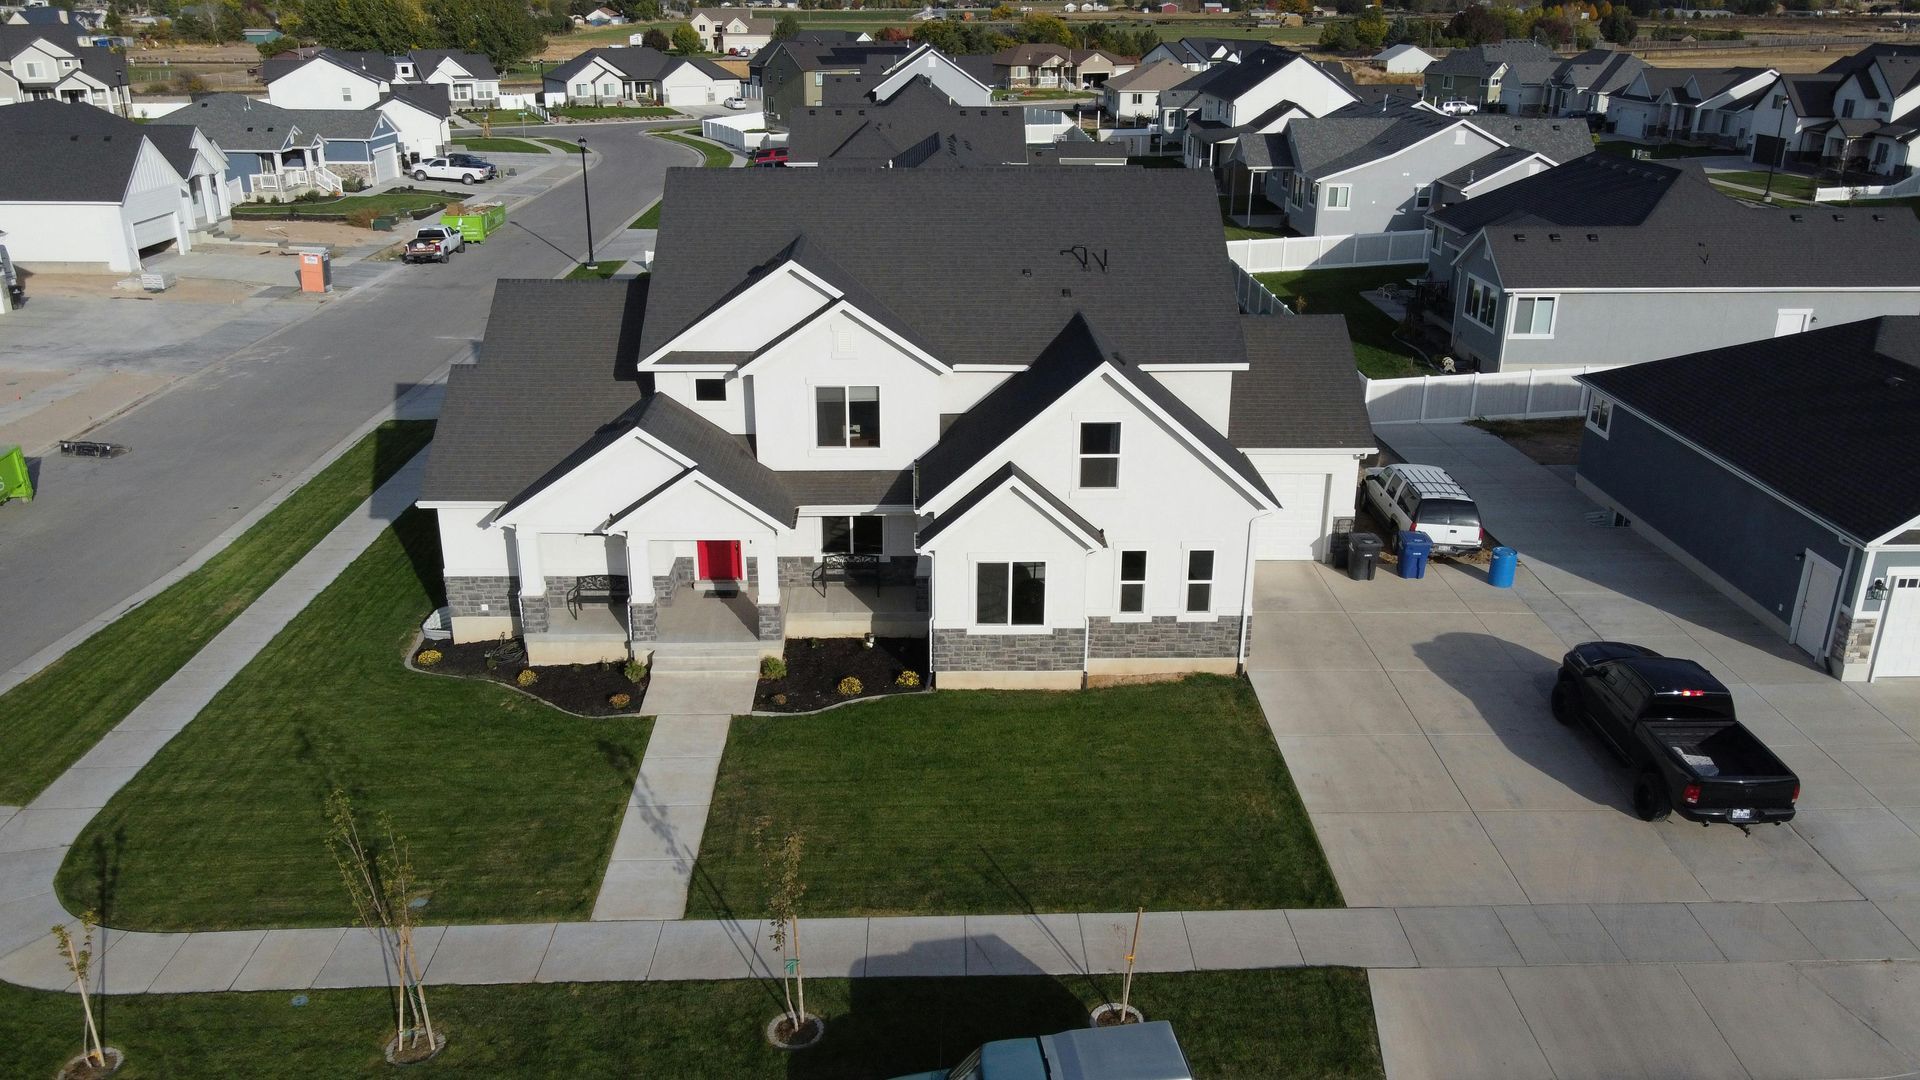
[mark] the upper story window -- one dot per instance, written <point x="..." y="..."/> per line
<point x="1483" y="302"/>
<point x="1423" y="196"/>
<point x="35" y="70"/>
<point x="1600" y="416"/>
<point x="1533" y="316"/>
<point x="1100" y="455"/>
<point x="854" y="535"/>
<point x="709" y="389"/>
<point x="346" y="93"/>
<point x="847" y="416"/>
<point x="1846" y="107"/>
<point x="1339" y="196"/>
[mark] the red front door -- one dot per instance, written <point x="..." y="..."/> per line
<point x="719" y="560"/>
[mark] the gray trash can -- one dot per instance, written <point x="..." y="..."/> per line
<point x="1363" y="555"/>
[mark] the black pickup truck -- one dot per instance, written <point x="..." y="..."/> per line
<point x="1672" y="722"/>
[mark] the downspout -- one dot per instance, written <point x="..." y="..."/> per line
<point x="1246" y="591"/>
<point x="1086" y="625"/>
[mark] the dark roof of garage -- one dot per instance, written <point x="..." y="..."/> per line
<point x="77" y="167"/>
<point x="1300" y="389"/>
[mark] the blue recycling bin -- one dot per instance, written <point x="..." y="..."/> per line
<point x="1500" y="574"/>
<point x="1415" y="547"/>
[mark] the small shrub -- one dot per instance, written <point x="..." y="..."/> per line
<point x="850" y="687"/>
<point x="779" y="699"/>
<point x="361" y="217"/>
<point x="429" y="657"/>
<point x="773" y="667"/>
<point x="620" y="701"/>
<point x="635" y="671"/>
<point x="527" y="677"/>
<point x="907" y="678"/>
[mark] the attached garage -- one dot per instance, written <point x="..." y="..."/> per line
<point x="1297" y="531"/>
<point x="386" y="163"/>
<point x="154" y="231"/>
<point x="83" y="190"/>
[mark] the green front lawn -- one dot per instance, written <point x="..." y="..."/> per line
<point x="712" y="155"/>
<point x="1375" y="351"/>
<point x="564" y="146"/>
<point x="1298" y="1023"/>
<point x="500" y="117"/>
<point x="395" y="201"/>
<point x="601" y="270"/>
<point x="648" y="219"/>
<point x="1170" y="796"/>
<point x="511" y="806"/>
<point x="56" y="716"/>
<point x="1792" y="185"/>
<point x="613" y="112"/>
<point x="483" y="145"/>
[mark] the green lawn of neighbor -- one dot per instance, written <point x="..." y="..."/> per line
<point x="396" y="201"/>
<point x="1623" y="148"/>
<point x="1375" y="351"/>
<point x="497" y="145"/>
<point x="503" y="117"/>
<point x="713" y="155"/>
<point x="564" y="146"/>
<point x="649" y="218"/>
<point x="511" y="807"/>
<point x="1911" y="203"/>
<point x="613" y="112"/>
<point x="603" y="269"/>
<point x="1792" y="185"/>
<point x="47" y="722"/>
<point x="1304" y="1023"/>
<point x="1170" y="796"/>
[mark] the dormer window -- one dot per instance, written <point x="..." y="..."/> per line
<point x="847" y="416"/>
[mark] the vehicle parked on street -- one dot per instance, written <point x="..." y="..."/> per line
<point x="1673" y="723"/>
<point x="1128" y="1052"/>
<point x="469" y="161"/>
<point x="735" y="103"/>
<point x="1457" y="107"/>
<point x="435" y="243"/>
<point x="445" y="168"/>
<point x="770" y="157"/>
<point x="1423" y="498"/>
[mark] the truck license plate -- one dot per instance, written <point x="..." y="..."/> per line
<point x="1739" y="815"/>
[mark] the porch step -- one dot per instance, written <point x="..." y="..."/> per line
<point x="706" y="656"/>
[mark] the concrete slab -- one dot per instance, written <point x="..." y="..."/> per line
<point x="1767" y="865"/>
<point x="1369" y="773"/>
<point x="1782" y="1025"/>
<point x="1824" y="785"/>
<point x="1476" y="702"/>
<point x="207" y="962"/>
<point x="1241" y="939"/>
<point x="1657" y="933"/>
<point x="643" y="889"/>
<point x="1609" y="1021"/>
<point x="1598" y="856"/>
<point x="1315" y="641"/>
<point x="83" y="789"/>
<point x="1390" y="592"/>
<point x="1330" y="703"/>
<point x="124" y="749"/>
<point x="1291" y="586"/>
<point x="28" y="873"/>
<point x="1107" y="936"/>
<point x="599" y="952"/>
<point x="1753" y="932"/>
<point x="660" y="832"/>
<point x="289" y="959"/>
<point x="698" y="693"/>
<point x="362" y="959"/>
<point x="834" y="948"/>
<point x="709" y="949"/>
<point x="1885" y="996"/>
<point x="1024" y="945"/>
<point x="1828" y="710"/>
<point x="1353" y="937"/>
<point x="132" y="961"/>
<point x="25" y="921"/>
<point x="29" y="829"/>
<point x="1432" y="641"/>
<point x="675" y="781"/>
<point x="1529" y="642"/>
<point x="1549" y="934"/>
<point x="1890" y="771"/>
<point x="1552" y="771"/>
<point x="932" y="945"/>
<point x="1469" y="583"/>
<point x="37" y="967"/>
<point x="1458" y="937"/>
<point x="508" y="953"/>
<point x="1452" y="1025"/>
<point x="1875" y="850"/>
<point x="1850" y="930"/>
<point x="1762" y="718"/>
<point x="1904" y="914"/>
<point x="688" y="736"/>
<point x="1398" y="860"/>
<point x="1614" y="616"/>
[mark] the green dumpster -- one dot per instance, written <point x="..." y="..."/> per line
<point x="477" y="222"/>
<point x="14" y="481"/>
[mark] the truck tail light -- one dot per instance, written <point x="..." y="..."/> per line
<point x="1690" y="794"/>
<point x="1796" y="791"/>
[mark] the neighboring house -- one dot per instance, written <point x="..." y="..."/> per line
<point x="918" y="127"/>
<point x="1135" y="96"/>
<point x="962" y="80"/>
<point x="602" y="16"/>
<point x="731" y="31"/>
<point x="1586" y="83"/>
<point x="1535" y="294"/>
<point x="277" y="153"/>
<point x="1040" y="66"/>
<point x="422" y="118"/>
<point x="1373" y="169"/>
<point x="1258" y="95"/>
<point x="795" y="76"/>
<point x="640" y="75"/>
<point x="1863" y="111"/>
<point x="1006" y="443"/>
<point x="806" y="39"/>
<point x="1510" y="76"/>
<point x="48" y="63"/>
<point x="1403" y="59"/>
<point x="1785" y="473"/>
<point x="1705" y="105"/>
<point x="316" y="78"/>
<point x="84" y="189"/>
<point x="1198" y="54"/>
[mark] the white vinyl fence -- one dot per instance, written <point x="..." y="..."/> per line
<point x="742" y="132"/>
<point x="1325" y="252"/>
<point x="1534" y="394"/>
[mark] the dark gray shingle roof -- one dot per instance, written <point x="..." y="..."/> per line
<point x="917" y="127"/>
<point x="1535" y="61"/>
<point x="996" y="480"/>
<point x="849" y="487"/>
<point x="1597" y="189"/>
<point x="42" y="166"/>
<point x="236" y="122"/>
<point x="1300" y="389"/>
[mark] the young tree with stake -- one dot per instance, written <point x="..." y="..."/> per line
<point x="382" y="888"/>
<point x="79" y="960"/>
<point x="780" y="859"/>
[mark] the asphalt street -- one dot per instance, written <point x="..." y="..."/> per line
<point x="219" y="442"/>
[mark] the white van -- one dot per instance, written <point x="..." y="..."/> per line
<point x="1423" y="498"/>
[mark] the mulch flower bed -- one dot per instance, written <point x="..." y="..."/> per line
<point x="586" y="689"/>
<point x="816" y="667"/>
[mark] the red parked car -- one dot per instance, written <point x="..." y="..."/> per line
<point x="771" y="157"/>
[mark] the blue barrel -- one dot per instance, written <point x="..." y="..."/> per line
<point x="1500" y="574"/>
<point x="1415" y="547"/>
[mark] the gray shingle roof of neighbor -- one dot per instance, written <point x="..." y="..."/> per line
<point x="1473" y="171"/>
<point x="1599" y="70"/>
<point x="337" y="123"/>
<point x="58" y="117"/>
<point x="1230" y="81"/>
<point x="236" y="122"/>
<point x="1300" y="390"/>
<point x="1826" y="418"/>
<point x="375" y="65"/>
<point x="555" y="368"/>
<point x="637" y="62"/>
<point x="1598" y="189"/>
<point x="1812" y="95"/>
<point x="476" y="64"/>
<point x="105" y="64"/>
<point x="1764" y="248"/>
<point x="1358" y="134"/>
<point x="851" y="56"/>
<point x="434" y="98"/>
<point x="803" y="39"/>
<point x="1481" y="60"/>
<point x="1150" y="78"/>
<point x="985" y="265"/>
<point x="48" y="167"/>
<point x="917" y="127"/>
<point x="994" y="481"/>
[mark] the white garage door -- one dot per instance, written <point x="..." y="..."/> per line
<point x="1293" y="532"/>
<point x="1898" y="651"/>
<point x="153" y="230"/>
<point x="386" y="164"/>
<point x="686" y="95"/>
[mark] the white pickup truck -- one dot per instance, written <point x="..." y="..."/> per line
<point x="435" y="243"/>
<point x="462" y="167"/>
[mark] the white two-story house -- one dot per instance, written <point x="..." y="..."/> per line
<point x="48" y="63"/>
<point x="809" y="424"/>
<point x="314" y="78"/>
<point x="731" y="31"/>
<point x="1862" y="110"/>
<point x="1258" y="95"/>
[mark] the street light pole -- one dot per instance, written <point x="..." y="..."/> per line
<point x="586" y="191"/>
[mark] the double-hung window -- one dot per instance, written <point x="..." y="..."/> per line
<point x="1339" y="196"/>
<point x="1483" y="301"/>
<point x="858" y="534"/>
<point x="847" y="416"/>
<point x="1423" y="197"/>
<point x="1100" y="455"/>
<point x="1133" y="582"/>
<point x="1199" y="581"/>
<point x="1600" y="416"/>
<point x="1533" y="316"/>
<point x="1010" y="593"/>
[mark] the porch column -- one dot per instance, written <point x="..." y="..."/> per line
<point x="643" y="607"/>
<point x="767" y="590"/>
<point x="533" y="582"/>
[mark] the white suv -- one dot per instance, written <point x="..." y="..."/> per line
<point x="1457" y="107"/>
<point x="1423" y="498"/>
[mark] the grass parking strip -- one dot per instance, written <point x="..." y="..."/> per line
<point x="713" y="155"/>
<point x="497" y="145"/>
<point x="510" y="806"/>
<point x="649" y="218"/>
<point x="58" y="714"/>
<point x="1171" y="796"/>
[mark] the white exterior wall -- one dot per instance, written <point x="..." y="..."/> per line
<point x="1121" y="103"/>
<point x="963" y="88"/>
<point x="419" y="132"/>
<point x="320" y="84"/>
<point x="855" y="356"/>
<point x="461" y="86"/>
<point x="1313" y="489"/>
<point x="67" y="233"/>
<point x="688" y="85"/>
<point x="960" y="390"/>
<point x="580" y="501"/>
<point x="1299" y="82"/>
<point x="466" y="549"/>
<point x="1209" y="393"/>
<point x="730" y="415"/>
<point x="1006" y="528"/>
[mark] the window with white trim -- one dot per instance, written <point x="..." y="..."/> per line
<point x="1339" y="196"/>
<point x="1133" y="582"/>
<point x="462" y="91"/>
<point x="1199" y="581"/>
<point x="1100" y="455"/>
<point x="581" y="89"/>
<point x="1423" y="196"/>
<point x="853" y="534"/>
<point x="1533" y="316"/>
<point x="34" y="70"/>
<point x="1600" y="417"/>
<point x="1010" y="594"/>
<point x="709" y="389"/>
<point x="1483" y="302"/>
<point x="847" y="416"/>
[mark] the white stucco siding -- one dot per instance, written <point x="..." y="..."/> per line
<point x="583" y="500"/>
<point x="695" y="508"/>
<point x="948" y="78"/>
<point x="1006" y="527"/>
<point x="1301" y="83"/>
<point x="755" y="317"/>
<point x="323" y="85"/>
<point x="467" y="549"/>
<point x="67" y="233"/>
<point x="730" y="415"/>
<point x="1209" y="393"/>
<point x="582" y="554"/>
<point x="896" y="535"/>
<point x="688" y="85"/>
<point x="419" y="132"/>
<point x="961" y="390"/>
<point x="841" y="351"/>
